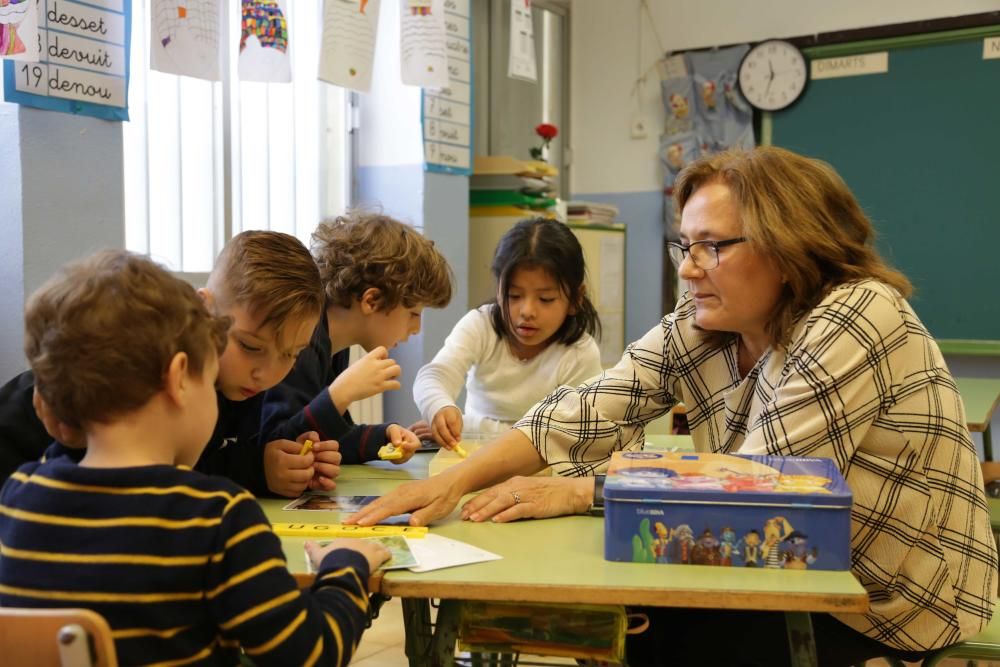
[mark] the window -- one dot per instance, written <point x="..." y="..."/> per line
<point x="205" y="160"/>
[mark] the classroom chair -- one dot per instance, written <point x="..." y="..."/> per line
<point x="55" y="638"/>
<point x="984" y="646"/>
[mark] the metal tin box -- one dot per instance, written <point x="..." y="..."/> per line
<point x="727" y="510"/>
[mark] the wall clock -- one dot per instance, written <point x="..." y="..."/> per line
<point x="773" y="74"/>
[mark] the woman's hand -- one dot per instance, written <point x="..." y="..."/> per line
<point x="531" y="498"/>
<point x="447" y="426"/>
<point x="427" y="499"/>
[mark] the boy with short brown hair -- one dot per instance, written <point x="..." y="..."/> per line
<point x="378" y="275"/>
<point x="268" y="285"/>
<point x="183" y="566"/>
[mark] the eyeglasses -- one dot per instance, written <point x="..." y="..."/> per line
<point x="704" y="254"/>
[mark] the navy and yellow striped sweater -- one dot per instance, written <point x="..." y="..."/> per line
<point x="184" y="567"/>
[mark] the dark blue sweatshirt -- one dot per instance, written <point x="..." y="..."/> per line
<point x="302" y="403"/>
<point x="235" y="450"/>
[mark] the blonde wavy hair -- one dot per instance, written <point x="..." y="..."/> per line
<point x="799" y="213"/>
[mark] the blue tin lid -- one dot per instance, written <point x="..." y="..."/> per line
<point x="736" y="479"/>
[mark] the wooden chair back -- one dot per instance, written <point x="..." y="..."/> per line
<point x="55" y="638"/>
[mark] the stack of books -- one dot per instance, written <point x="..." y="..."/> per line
<point x="503" y="181"/>
<point x="591" y="213"/>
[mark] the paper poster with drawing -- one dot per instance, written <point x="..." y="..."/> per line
<point x="185" y="38"/>
<point x="19" y="38"/>
<point x="348" y="50"/>
<point x="264" y="41"/>
<point x="423" y="58"/>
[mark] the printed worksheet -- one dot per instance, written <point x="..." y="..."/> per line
<point x="522" y="63"/>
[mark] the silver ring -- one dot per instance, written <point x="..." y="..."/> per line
<point x="517" y="497"/>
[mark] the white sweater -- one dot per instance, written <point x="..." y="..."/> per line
<point x="500" y="388"/>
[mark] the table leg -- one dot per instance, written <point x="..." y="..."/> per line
<point x="987" y="443"/>
<point x="445" y="634"/>
<point x="801" y="643"/>
<point x="418" y="631"/>
<point x="427" y="647"/>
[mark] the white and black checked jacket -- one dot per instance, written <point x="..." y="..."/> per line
<point x="863" y="383"/>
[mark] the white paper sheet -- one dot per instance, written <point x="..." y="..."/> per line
<point x="422" y="52"/>
<point x="435" y="552"/>
<point x="265" y="41"/>
<point x="185" y="38"/>
<point x="521" y="64"/>
<point x="19" y="31"/>
<point x="348" y="51"/>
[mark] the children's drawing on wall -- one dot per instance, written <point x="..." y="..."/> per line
<point x="264" y="41"/>
<point x="423" y="58"/>
<point x="522" y="63"/>
<point x="705" y="113"/>
<point x="19" y="30"/>
<point x="348" y="50"/>
<point x="185" y="38"/>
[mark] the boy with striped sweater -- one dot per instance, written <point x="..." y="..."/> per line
<point x="269" y="287"/>
<point x="183" y="566"/>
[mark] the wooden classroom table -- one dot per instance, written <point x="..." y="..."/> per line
<point x="561" y="561"/>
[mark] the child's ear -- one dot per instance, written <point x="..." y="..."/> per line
<point x="207" y="298"/>
<point x="176" y="383"/>
<point x="371" y="300"/>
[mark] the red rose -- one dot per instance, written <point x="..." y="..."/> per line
<point x="547" y="131"/>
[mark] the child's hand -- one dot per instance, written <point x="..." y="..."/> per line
<point x="326" y="464"/>
<point x="374" y="553"/>
<point x="372" y="374"/>
<point x="447" y="426"/>
<point x="289" y="473"/>
<point x="404" y="440"/>
<point x="422" y="430"/>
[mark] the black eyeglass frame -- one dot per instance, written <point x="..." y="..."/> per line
<point x="685" y="250"/>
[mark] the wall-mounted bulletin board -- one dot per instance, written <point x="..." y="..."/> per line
<point x="913" y="125"/>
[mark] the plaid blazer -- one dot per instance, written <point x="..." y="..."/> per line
<point x="861" y="382"/>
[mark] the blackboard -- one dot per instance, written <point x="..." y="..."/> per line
<point x="920" y="147"/>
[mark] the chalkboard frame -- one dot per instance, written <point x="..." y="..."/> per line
<point x="772" y="122"/>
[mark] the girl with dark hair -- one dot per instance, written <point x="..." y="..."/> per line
<point x="511" y="352"/>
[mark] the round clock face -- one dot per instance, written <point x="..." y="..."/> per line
<point x="773" y="75"/>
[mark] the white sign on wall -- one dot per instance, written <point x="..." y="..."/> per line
<point x="853" y="65"/>
<point x="991" y="48"/>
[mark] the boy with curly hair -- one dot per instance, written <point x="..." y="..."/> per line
<point x="183" y="566"/>
<point x="379" y="274"/>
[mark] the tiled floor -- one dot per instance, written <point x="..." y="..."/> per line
<point x="382" y="644"/>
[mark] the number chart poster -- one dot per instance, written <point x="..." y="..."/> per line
<point x="83" y="63"/>
<point x="446" y="113"/>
